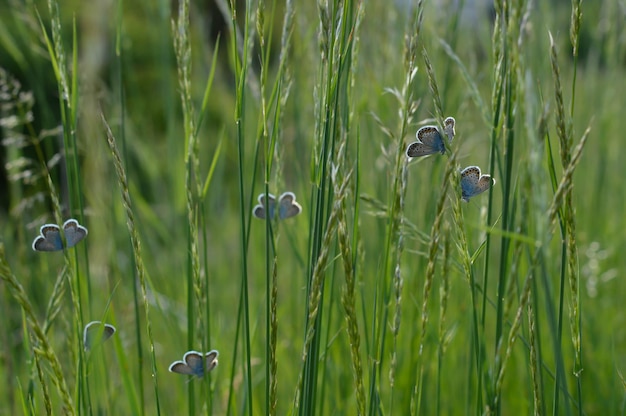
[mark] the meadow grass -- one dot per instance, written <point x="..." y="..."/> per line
<point x="387" y="294"/>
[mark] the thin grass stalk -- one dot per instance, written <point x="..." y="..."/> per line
<point x="509" y="106"/>
<point x="326" y="331"/>
<point x="241" y="64"/>
<point x="346" y="52"/>
<point x="270" y="288"/>
<point x="207" y="305"/>
<point x="511" y="54"/>
<point x="499" y="71"/>
<point x="317" y="283"/>
<point x="444" y="295"/>
<point x="271" y="295"/>
<point x="328" y="37"/>
<point x="134" y="236"/>
<point x="272" y="397"/>
<point x="336" y="38"/>
<point x="45" y="349"/>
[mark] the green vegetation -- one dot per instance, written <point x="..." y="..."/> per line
<point x="387" y="294"/>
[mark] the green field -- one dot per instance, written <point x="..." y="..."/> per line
<point x="157" y="125"/>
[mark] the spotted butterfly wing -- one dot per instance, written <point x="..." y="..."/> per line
<point x="429" y="142"/>
<point x="474" y="183"/>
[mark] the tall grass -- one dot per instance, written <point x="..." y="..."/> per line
<point x="387" y="294"/>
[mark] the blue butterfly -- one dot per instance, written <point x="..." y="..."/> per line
<point x="430" y="140"/>
<point x="287" y="206"/>
<point x="474" y="183"/>
<point x="50" y="236"/>
<point x="96" y="332"/>
<point x="195" y="363"/>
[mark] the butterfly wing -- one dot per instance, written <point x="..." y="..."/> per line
<point x="195" y="361"/>
<point x="485" y="182"/>
<point x="469" y="181"/>
<point x="96" y="332"/>
<point x="448" y="128"/>
<point x="260" y="210"/>
<point x="428" y="142"/>
<point x="74" y="232"/>
<point x="49" y="240"/>
<point x="211" y="360"/>
<point x="181" y="368"/>
<point x="474" y="183"/>
<point x="288" y="207"/>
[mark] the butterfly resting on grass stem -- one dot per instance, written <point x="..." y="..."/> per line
<point x="195" y="363"/>
<point x="474" y="183"/>
<point x="287" y="206"/>
<point x="430" y="140"/>
<point x="50" y="236"/>
<point x="95" y="333"/>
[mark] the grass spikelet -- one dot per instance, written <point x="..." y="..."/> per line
<point x="57" y="51"/>
<point x="348" y="300"/>
<point x="134" y="237"/>
<point x="575" y="20"/>
<point x="45" y="349"/>
<point x="566" y="180"/>
<point x="562" y="123"/>
<point x="534" y="364"/>
<point x="273" y="397"/>
<point x="56" y="299"/>
<point x="398" y="282"/>
<point x="44" y="386"/>
<point x="434" y="89"/>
